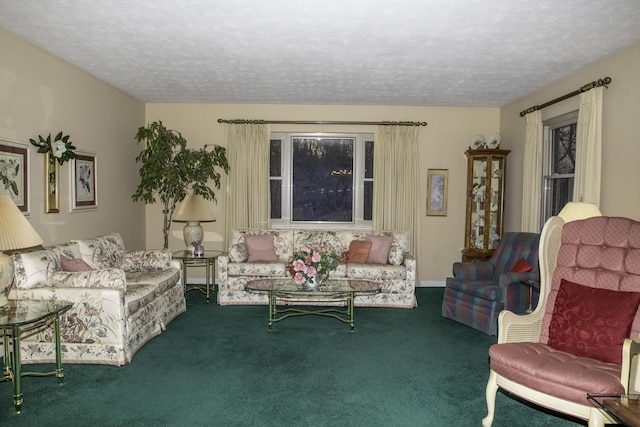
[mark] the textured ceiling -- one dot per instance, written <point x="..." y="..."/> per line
<point x="375" y="52"/>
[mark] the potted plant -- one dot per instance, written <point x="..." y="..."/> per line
<point x="169" y="170"/>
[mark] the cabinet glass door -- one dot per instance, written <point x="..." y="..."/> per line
<point x="495" y="203"/>
<point x="479" y="201"/>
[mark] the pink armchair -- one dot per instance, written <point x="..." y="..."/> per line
<point x="583" y="336"/>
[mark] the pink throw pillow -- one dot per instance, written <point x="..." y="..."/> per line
<point x="260" y="247"/>
<point x="592" y="322"/>
<point x="522" y="266"/>
<point x="379" y="252"/>
<point x="359" y="251"/>
<point x="73" y="265"/>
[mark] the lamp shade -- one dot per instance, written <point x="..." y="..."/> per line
<point x="15" y="231"/>
<point x="574" y="211"/>
<point x="194" y="208"/>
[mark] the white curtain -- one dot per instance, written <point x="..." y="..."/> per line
<point x="532" y="173"/>
<point x="586" y="185"/>
<point x="247" y="201"/>
<point x="396" y="197"/>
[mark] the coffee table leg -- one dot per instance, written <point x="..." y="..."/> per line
<point x="272" y="307"/>
<point x="17" y="371"/>
<point x="350" y="310"/>
<point x="59" y="370"/>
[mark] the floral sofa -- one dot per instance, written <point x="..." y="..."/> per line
<point x="396" y="272"/>
<point x="120" y="299"/>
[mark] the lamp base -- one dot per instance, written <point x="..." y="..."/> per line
<point x="193" y="234"/>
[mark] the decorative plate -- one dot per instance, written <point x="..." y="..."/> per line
<point x="494" y="141"/>
<point x="477" y="142"/>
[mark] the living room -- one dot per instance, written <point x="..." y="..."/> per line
<point x="42" y="94"/>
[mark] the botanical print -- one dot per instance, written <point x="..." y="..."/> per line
<point x="84" y="185"/>
<point x="83" y="180"/>
<point x="13" y="173"/>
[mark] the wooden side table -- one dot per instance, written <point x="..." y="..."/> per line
<point x="206" y="260"/>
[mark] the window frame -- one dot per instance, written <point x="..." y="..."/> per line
<point x="286" y="181"/>
<point x="549" y="126"/>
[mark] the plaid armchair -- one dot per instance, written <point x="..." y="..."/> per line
<point x="479" y="291"/>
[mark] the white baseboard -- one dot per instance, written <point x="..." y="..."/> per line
<point x="431" y="284"/>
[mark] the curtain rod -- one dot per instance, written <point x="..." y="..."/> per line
<point x="305" y="122"/>
<point x="594" y="84"/>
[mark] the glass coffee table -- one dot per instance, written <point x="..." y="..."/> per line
<point x="286" y="292"/>
<point x="17" y="317"/>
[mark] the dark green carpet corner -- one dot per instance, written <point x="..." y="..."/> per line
<point x="220" y="366"/>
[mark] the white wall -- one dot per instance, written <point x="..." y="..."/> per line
<point x="41" y="94"/>
<point x="442" y="146"/>
<point x="620" y="137"/>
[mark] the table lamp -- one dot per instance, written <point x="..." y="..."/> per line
<point x="193" y="210"/>
<point x="15" y="233"/>
<point x="574" y="211"/>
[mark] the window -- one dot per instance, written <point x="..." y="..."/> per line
<point x="318" y="179"/>
<point x="559" y="163"/>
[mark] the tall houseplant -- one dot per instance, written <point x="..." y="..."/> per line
<point x="169" y="170"/>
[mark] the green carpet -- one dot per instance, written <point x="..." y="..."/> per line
<point x="220" y="366"/>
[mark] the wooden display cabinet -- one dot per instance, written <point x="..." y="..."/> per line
<point x="486" y="178"/>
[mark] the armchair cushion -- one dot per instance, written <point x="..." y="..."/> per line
<point x="521" y="266"/>
<point x="592" y="322"/>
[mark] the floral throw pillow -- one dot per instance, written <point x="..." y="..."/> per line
<point x="238" y="253"/>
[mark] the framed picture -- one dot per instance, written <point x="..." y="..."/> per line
<point x="437" y="182"/>
<point x="14" y="173"/>
<point x="84" y="182"/>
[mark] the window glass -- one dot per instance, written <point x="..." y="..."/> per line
<point x="559" y="163"/>
<point x="318" y="179"/>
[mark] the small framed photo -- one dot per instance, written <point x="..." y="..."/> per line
<point x="437" y="182"/>
<point x="84" y="182"/>
<point x="14" y="173"/>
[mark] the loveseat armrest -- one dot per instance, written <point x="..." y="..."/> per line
<point x="630" y="365"/>
<point x="146" y="260"/>
<point x="519" y="328"/>
<point x="113" y="278"/>
<point x="473" y="270"/>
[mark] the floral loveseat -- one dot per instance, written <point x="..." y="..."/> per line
<point x="120" y="299"/>
<point x="397" y="275"/>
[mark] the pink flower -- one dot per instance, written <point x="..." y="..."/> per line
<point x="299" y="279"/>
<point x="316" y="257"/>
<point x="299" y="265"/>
<point x="311" y="270"/>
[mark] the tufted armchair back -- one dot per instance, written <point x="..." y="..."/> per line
<point x="600" y="252"/>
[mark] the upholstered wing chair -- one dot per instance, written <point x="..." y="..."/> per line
<point x="577" y="341"/>
<point x="479" y="291"/>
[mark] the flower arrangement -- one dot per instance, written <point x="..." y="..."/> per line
<point x="308" y="262"/>
<point x="61" y="149"/>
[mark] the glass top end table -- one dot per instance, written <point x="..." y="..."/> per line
<point x="18" y="316"/>
<point x="208" y="260"/>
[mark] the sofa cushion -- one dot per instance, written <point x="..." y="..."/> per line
<point x="592" y="322"/>
<point x="375" y="271"/>
<point x="73" y="264"/>
<point x="103" y="251"/>
<point x="144" y="287"/>
<point x="380" y="245"/>
<point x="282" y="239"/>
<point x="358" y="251"/>
<point x="266" y="269"/>
<point x="238" y="252"/>
<point x="112" y="278"/>
<point x="554" y="372"/>
<point x="34" y="269"/>
<point x="260" y="247"/>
